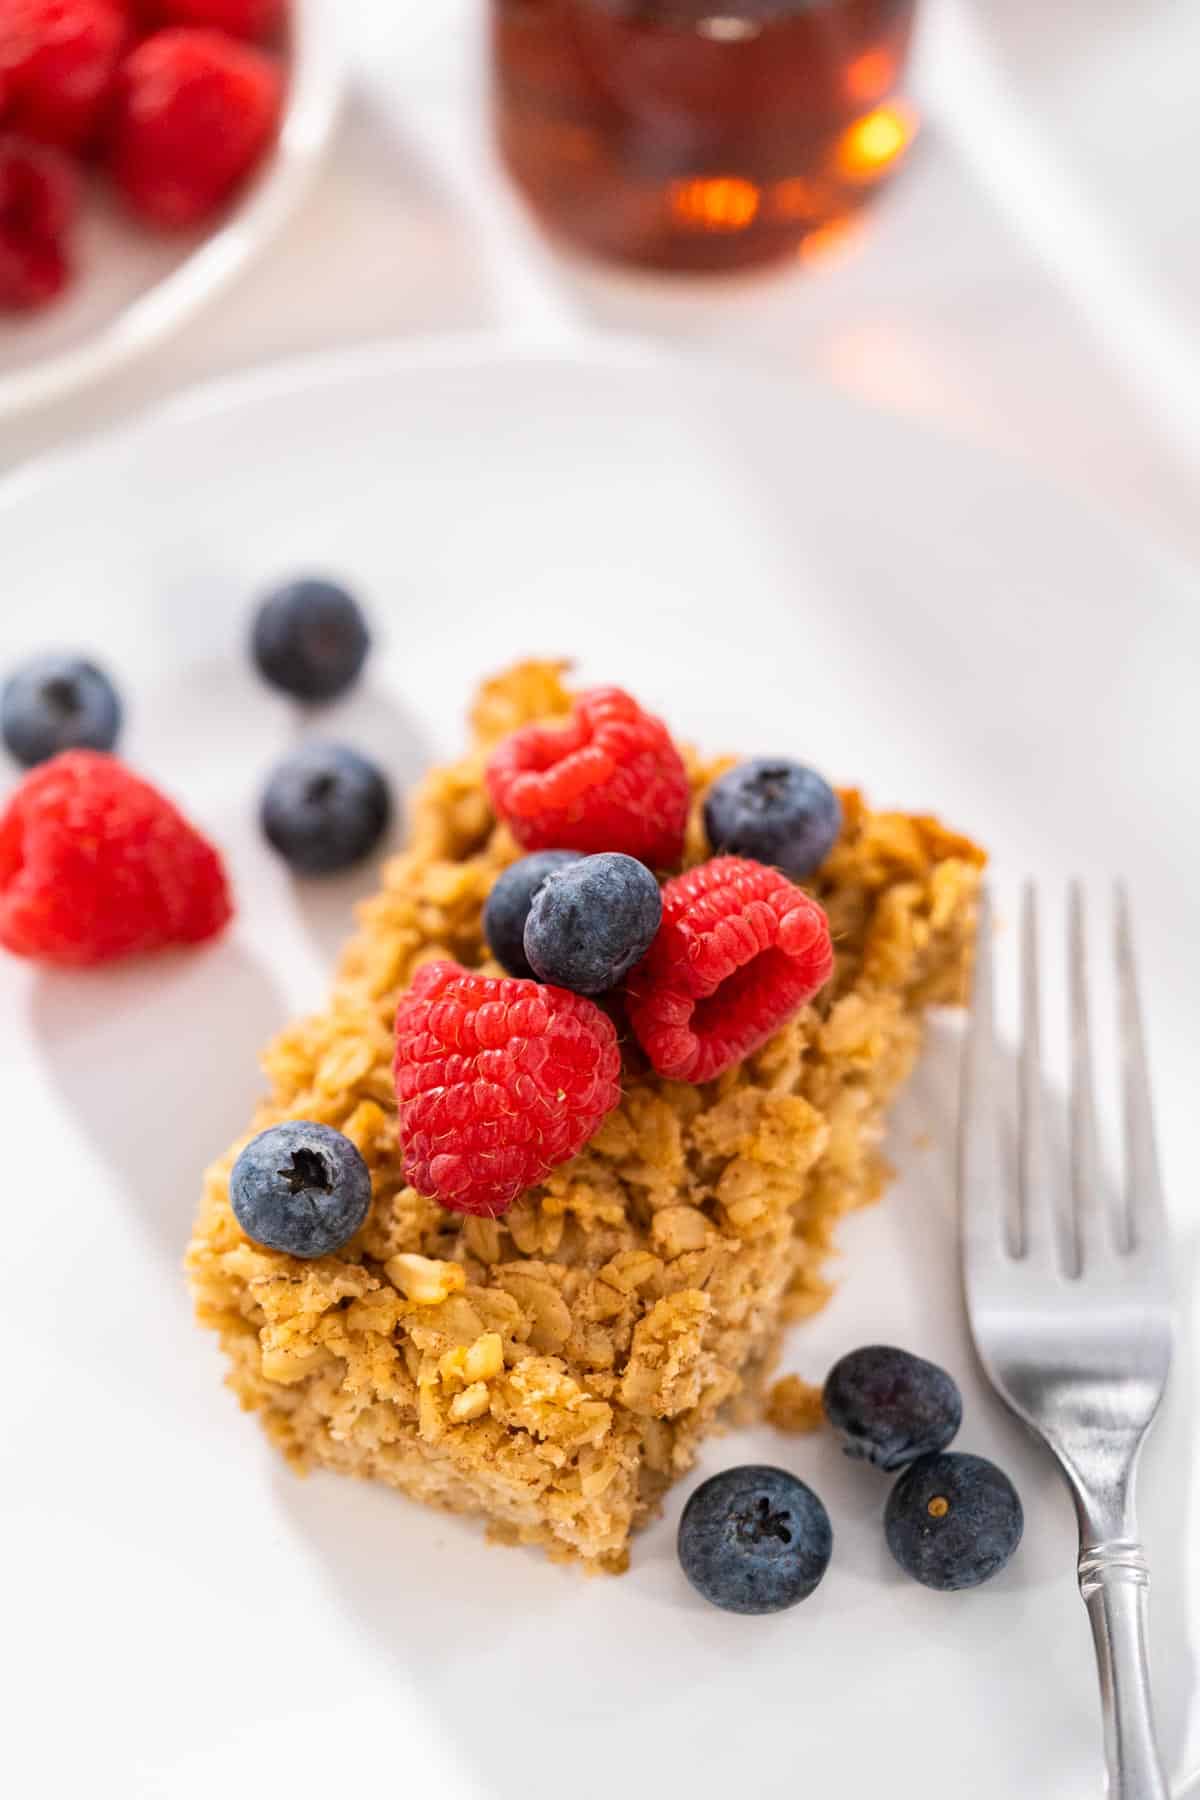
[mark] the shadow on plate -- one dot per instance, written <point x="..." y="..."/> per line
<point x="158" y="1061"/>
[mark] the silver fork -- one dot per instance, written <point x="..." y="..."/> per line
<point x="1069" y="1303"/>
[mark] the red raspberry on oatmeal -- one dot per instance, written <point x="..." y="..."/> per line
<point x="497" y="1082"/>
<point x="609" y="778"/>
<point x="740" y="950"/>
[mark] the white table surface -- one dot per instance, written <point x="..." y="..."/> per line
<point x="1032" y="282"/>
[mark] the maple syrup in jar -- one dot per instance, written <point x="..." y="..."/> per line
<point x="691" y="134"/>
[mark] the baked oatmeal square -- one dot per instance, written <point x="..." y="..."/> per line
<point x="555" y="1369"/>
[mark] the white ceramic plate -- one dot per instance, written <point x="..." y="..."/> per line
<point x="776" y="570"/>
<point x="134" y="287"/>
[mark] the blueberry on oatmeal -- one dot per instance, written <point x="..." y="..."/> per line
<point x="507" y="906"/>
<point x="591" y="921"/>
<point x="775" y="812"/>
<point x="300" y="1188"/>
<point x="56" y="703"/>
<point x="754" y="1540"/>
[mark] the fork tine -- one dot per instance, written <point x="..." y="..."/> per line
<point x="1037" y="1218"/>
<point x="1143" y="1220"/>
<point x="981" y="1195"/>
<point x="1090" y="1224"/>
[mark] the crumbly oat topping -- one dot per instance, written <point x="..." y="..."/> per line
<point x="794" y="1405"/>
<point x="556" y="1369"/>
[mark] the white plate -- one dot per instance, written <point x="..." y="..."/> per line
<point x="776" y="570"/>
<point x="134" y="287"/>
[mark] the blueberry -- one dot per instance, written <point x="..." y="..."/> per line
<point x="310" y="639"/>
<point x="591" y="920"/>
<point x="776" y="812"/>
<point x="953" y="1520"/>
<point x="508" y="906"/>
<point x="324" y="808"/>
<point x="889" y="1407"/>
<point x="754" y="1540"/>
<point x="301" y="1188"/>
<point x="58" y="703"/>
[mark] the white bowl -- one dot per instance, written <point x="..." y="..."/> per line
<point x="133" y="287"/>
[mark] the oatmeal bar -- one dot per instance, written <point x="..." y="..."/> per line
<point x="554" y="1370"/>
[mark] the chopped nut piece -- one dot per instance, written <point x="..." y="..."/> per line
<point x="481" y="1361"/>
<point x="423" y="1280"/>
<point x="472" y="1403"/>
<point x="485" y="1358"/>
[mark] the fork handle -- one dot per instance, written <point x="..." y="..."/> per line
<point x="1114" y="1579"/>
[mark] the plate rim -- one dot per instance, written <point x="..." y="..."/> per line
<point x="314" y="105"/>
<point x="591" y="346"/>
<point x="329" y="366"/>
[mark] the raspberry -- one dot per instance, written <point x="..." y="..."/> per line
<point x="610" y="779"/>
<point x="740" y="950"/>
<point x="58" y="63"/>
<point x="193" y="114"/>
<point x="498" y="1081"/>
<point x="38" y="202"/>
<point x="95" y="864"/>
<point x="239" y="18"/>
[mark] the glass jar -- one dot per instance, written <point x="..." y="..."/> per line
<point x="687" y="134"/>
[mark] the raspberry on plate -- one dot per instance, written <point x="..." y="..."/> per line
<point x="194" y="113"/>
<point x="240" y="18"/>
<point x="497" y="1081"/>
<point x="38" y="203"/>
<point x="739" y="951"/>
<point x="58" y="64"/>
<point x="608" y="779"/>
<point x="96" y="864"/>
